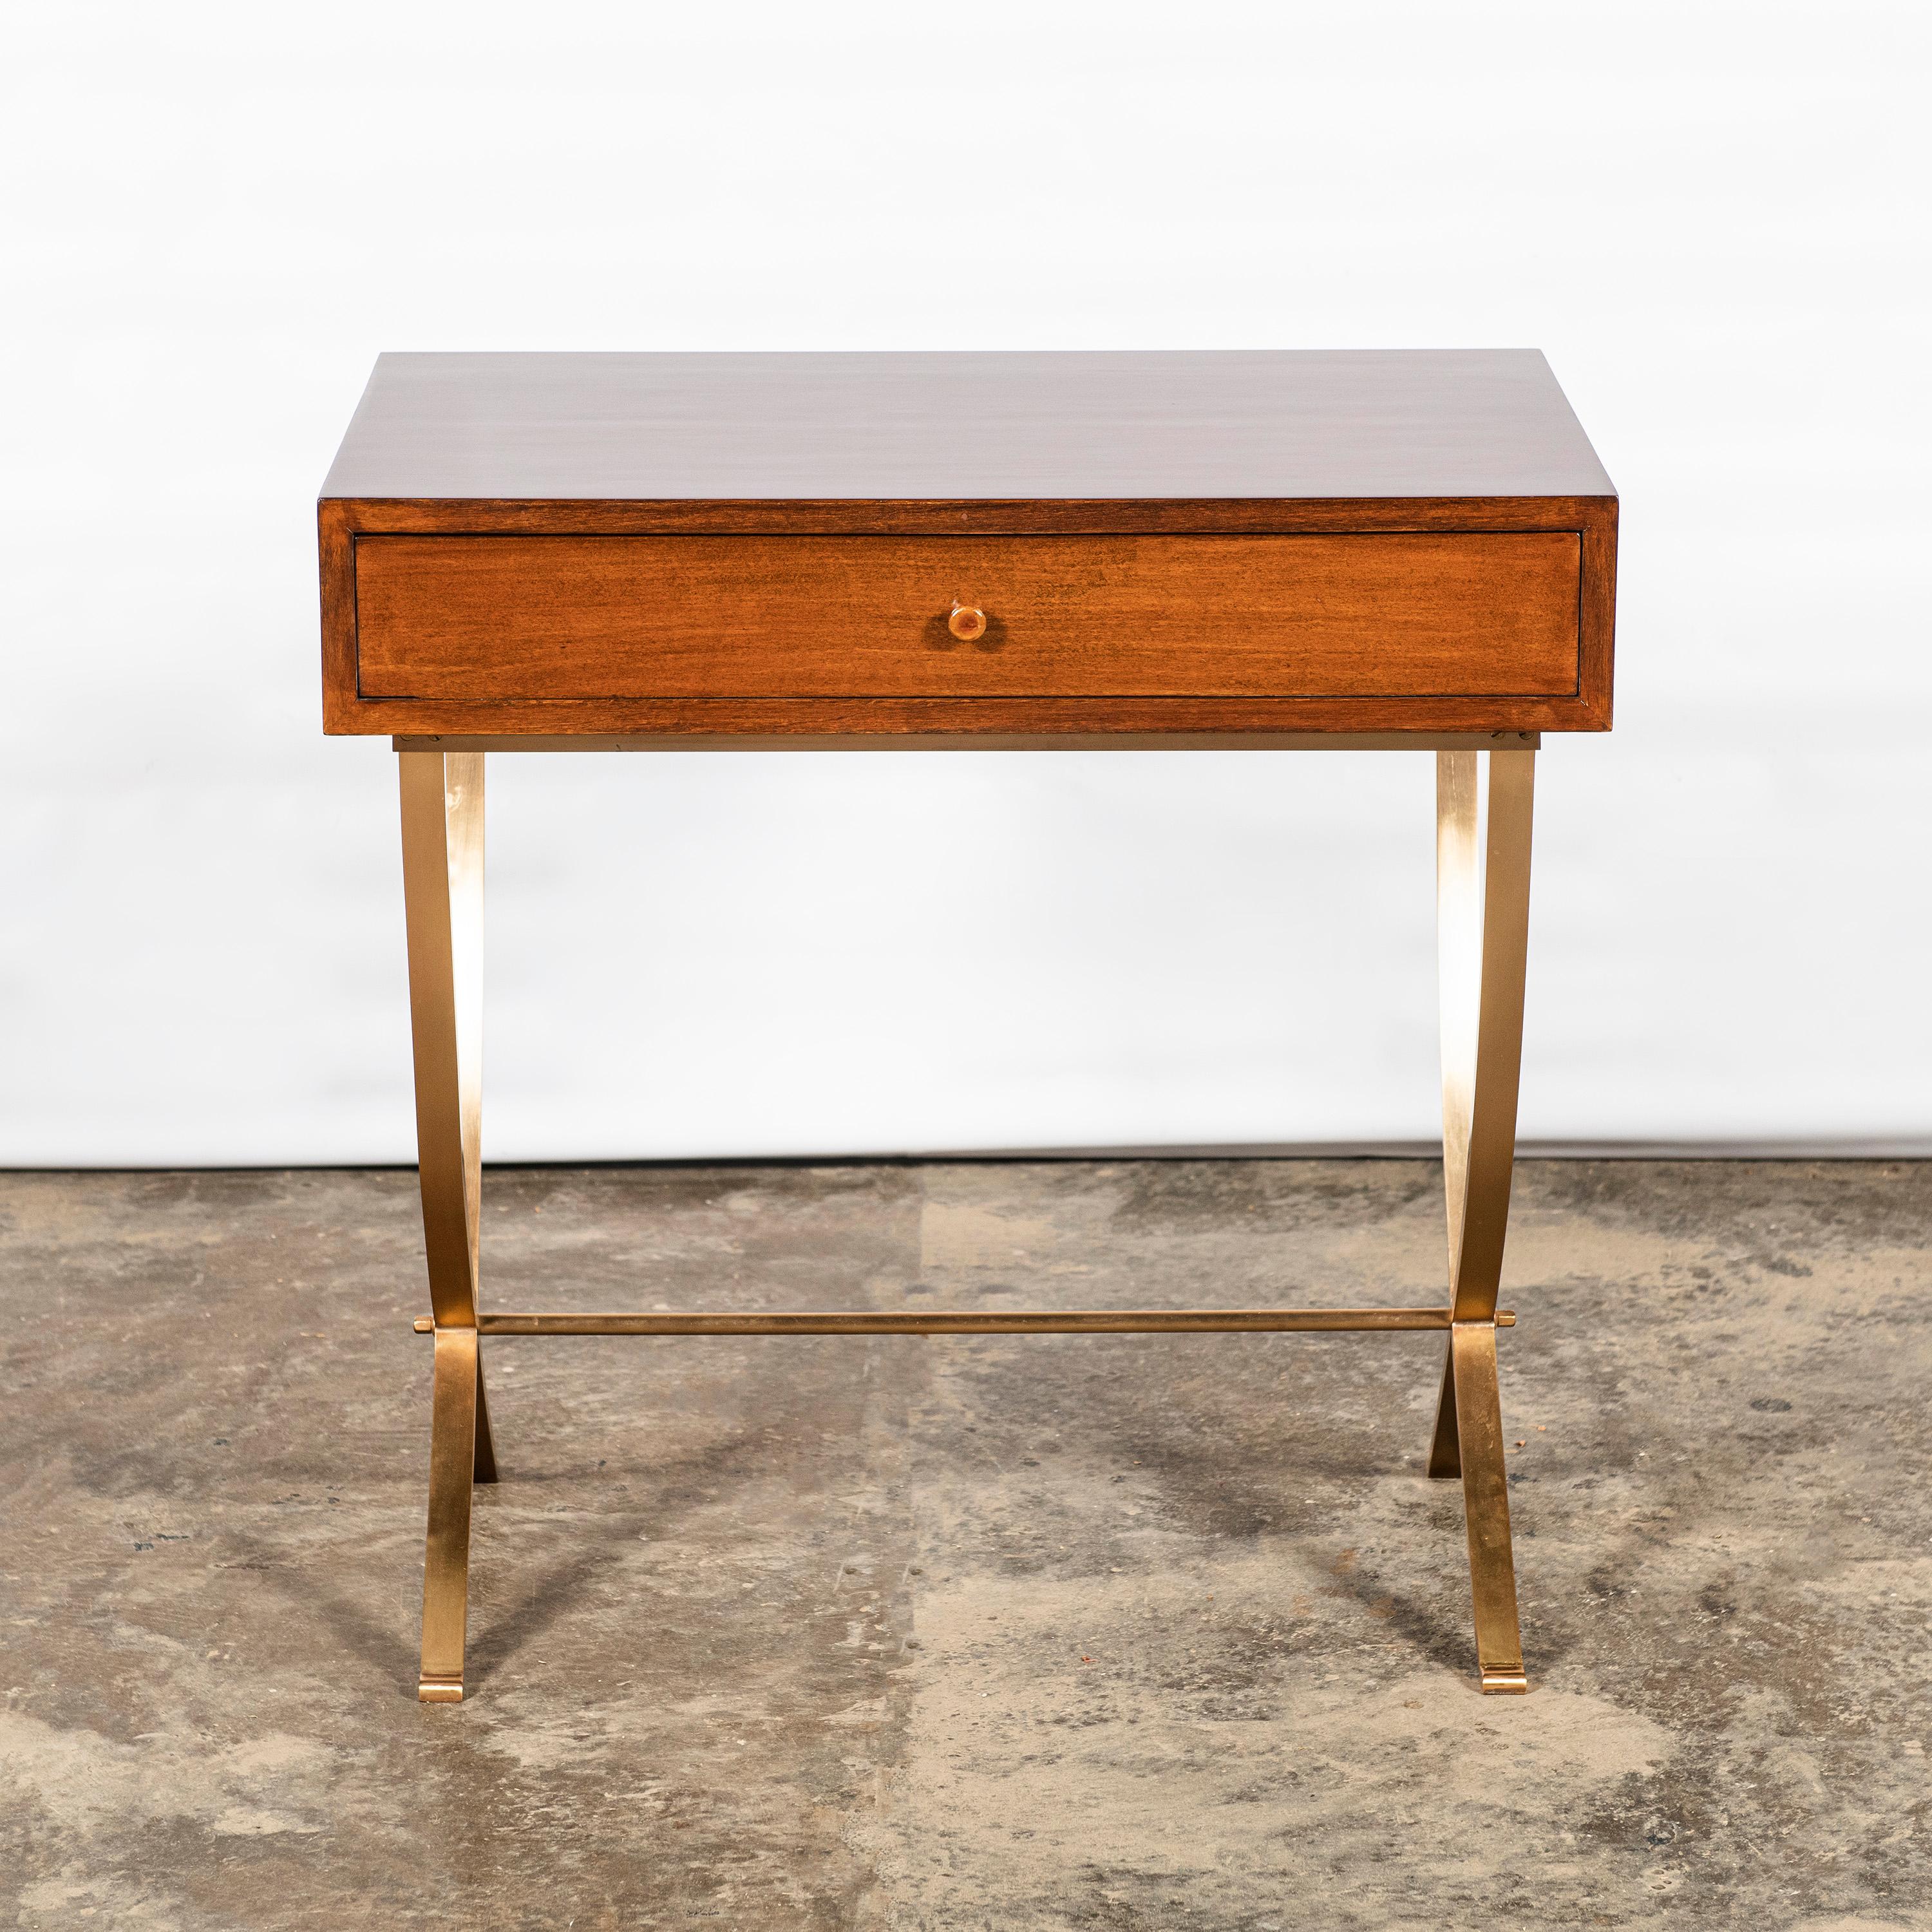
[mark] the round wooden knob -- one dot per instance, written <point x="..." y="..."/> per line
<point x="966" y="623"/>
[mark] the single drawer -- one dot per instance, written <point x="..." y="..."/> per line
<point x="503" y="618"/>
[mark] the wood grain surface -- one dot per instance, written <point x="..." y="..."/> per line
<point x="1017" y="426"/>
<point x="490" y="618"/>
<point x="1504" y="624"/>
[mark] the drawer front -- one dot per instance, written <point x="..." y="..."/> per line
<point x="501" y="619"/>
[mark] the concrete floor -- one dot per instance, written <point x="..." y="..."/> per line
<point x="987" y="1633"/>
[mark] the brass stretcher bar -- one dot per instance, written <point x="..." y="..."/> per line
<point x="984" y="1321"/>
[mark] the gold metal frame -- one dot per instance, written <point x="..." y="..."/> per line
<point x="442" y="888"/>
<point x="1484" y="794"/>
<point x="1482" y="899"/>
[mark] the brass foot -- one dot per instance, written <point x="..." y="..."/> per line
<point x="1495" y="1682"/>
<point x="439" y="1689"/>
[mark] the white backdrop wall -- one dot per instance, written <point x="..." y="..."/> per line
<point x="1708" y="216"/>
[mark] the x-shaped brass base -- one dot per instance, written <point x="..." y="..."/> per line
<point x="1482" y="846"/>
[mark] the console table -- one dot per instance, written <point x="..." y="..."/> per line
<point x="1405" y="550"/>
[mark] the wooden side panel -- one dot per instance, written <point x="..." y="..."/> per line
<point x="1599" y="616"/>
<point x="335" y="546"/>
<point x="481" y="619"/>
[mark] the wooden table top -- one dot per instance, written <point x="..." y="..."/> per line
<point x="1243" y="424"/>
<point x="1019" y="548"/>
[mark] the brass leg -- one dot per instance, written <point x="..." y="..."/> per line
<point x="1445" y="1452"/>
<point x="1482" y="845"/>
<point x="452" y="1449"/>
<point x="1479" y="1418"/>
<point x="484" y="1468"/>
<point x="442" y="885"/>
